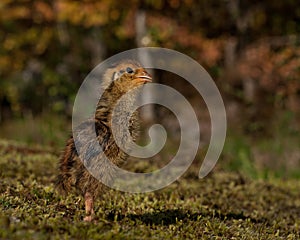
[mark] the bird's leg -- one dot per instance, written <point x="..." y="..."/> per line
<point x="89" y="207"/>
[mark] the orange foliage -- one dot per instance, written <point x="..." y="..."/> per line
<point x="172" y="35"/>
<point x="55" y="34"/>
<point x="277" y="70"/>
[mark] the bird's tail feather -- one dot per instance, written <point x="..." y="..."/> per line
<point x="62" y="184"/>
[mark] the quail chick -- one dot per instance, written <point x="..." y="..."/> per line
<point x="73" y="175"/>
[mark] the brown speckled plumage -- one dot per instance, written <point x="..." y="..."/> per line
<point x="73" y="175"/>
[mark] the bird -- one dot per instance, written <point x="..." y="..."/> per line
<point x="119" y="79"/>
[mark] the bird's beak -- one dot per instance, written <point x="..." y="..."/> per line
<point x="142" y="76"/>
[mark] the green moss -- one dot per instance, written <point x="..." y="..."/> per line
<point x="221" y="206"/>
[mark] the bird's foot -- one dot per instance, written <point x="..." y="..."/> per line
<point x="89" y="207"/>
<point x="89" y="218"/>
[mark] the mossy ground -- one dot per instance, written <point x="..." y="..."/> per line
<point x="220" y="206"/>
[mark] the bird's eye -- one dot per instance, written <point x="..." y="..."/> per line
<point x="129" y="70"/>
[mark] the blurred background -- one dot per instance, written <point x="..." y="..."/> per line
<point x="250" y="48"/>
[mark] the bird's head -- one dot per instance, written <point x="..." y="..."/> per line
<point x="132" y="78"/>
<point x="127" y="75"/>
